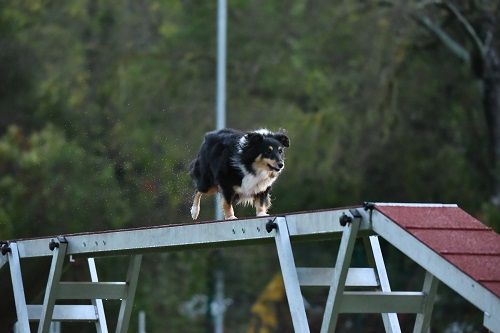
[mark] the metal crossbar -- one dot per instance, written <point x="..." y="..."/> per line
<point x="322" y="276"/>
<point x="64" y="313"/>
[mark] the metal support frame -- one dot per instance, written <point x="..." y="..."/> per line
<point x="95" y="291"/>
<point x="290" y="277"/>
<point x="332" y="307"/>
<point x="52" y="287"/>
<point x="100" y="325"/>
<point x="376" y="260"/>
<point x="382" y="300"/>
<point x="423" y="320"/>
<point x="372" y="292"/>
<point x="22" y="324"/>
<point x="128" y="302"/>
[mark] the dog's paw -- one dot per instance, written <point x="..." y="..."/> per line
<point x="262" y="214"/>
<point x="232" y="217"/>
<point x="194" y="212"/>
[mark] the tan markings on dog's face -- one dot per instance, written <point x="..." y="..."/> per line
<point x="261" y="163"/>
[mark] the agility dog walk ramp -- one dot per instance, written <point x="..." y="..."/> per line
<point x="448" y="243"/>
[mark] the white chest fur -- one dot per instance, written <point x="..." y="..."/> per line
<point x="252" y="184"/>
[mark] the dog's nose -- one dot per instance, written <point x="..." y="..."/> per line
<point x="280" y="165"/>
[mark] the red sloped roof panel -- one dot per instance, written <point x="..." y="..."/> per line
<point x="455" y="235"/>
<point x="493" y="286"/>
<point x="481" y="268"/>
<point x="447" y="217"/>
<point x="459" y="241"/>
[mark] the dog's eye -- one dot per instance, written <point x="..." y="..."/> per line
<point x="270" y="148"/>
<point x="280" y="150"/>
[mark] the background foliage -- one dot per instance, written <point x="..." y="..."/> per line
<point x="104" y="103"/>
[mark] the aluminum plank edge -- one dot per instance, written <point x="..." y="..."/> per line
<point x="419" y="205"/>
<point x="311" y="225"/>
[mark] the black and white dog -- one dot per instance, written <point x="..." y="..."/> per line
<point x="242" y="166"/>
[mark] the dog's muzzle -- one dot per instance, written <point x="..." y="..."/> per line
<point x="279" y="166"/>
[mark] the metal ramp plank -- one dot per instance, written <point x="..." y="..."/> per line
<point x="306" y="225"/>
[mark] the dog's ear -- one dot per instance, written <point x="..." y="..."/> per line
<point x="255" y="138"/>
<point x="283" y="139"/>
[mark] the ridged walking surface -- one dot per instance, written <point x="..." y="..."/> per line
<point x="456" y="236"/>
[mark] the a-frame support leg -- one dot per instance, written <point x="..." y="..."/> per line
<point x="422" y="323"/>
<point x="22" y="324"/>
<point x="290" y="277"/>
<point x="376" y="260"/>
<point x="101" y="325"/>
<point x="52" y="283"/>
<point x="339" y="277"/>
<point x="127" y="303"/>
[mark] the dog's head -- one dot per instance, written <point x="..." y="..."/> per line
<point x="267" y="149"/>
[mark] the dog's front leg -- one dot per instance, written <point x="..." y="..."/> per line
<point x="228" y="210"/>
<point x="262" y="201"/>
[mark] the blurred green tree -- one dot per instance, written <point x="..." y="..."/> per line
<point x="49" y="185"/>
<point x="103" y="105"/>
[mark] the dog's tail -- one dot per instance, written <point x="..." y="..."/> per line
<point x="203" y="181"/>
<point x="194" y="171"/>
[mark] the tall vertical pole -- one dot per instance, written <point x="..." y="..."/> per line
<point x="221" y="80"/>
<point x="221" y="63"/>
<point x="142" y="322"/>
<point x="220" y="123"/>
<point x="218" y="306"/>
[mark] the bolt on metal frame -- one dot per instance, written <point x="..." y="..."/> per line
<point x="375" y="295"/>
